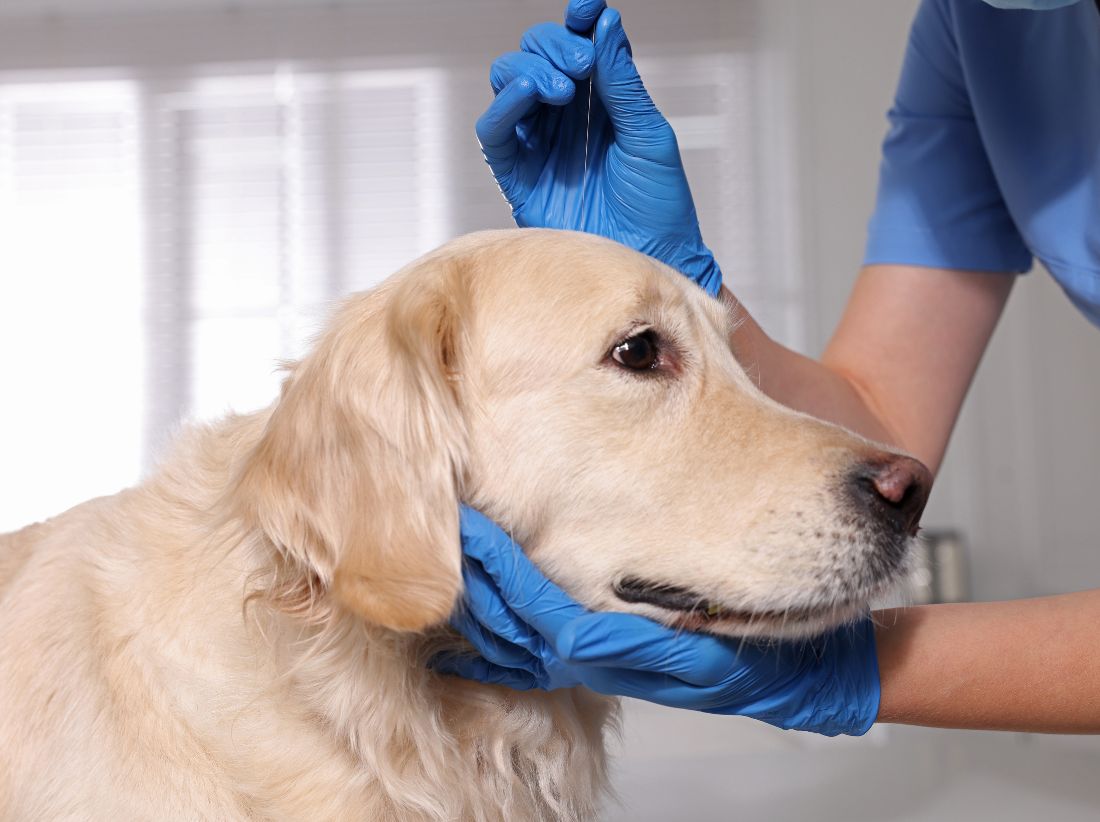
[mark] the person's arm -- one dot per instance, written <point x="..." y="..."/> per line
<point x="1025" y="665"/>
<point x="900" y="362"/>
<point x="923" y="308"/>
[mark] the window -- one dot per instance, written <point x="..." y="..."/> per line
<point x="283" y="191"/>
<point x="165" y="247"/>
<point x="71" y="291"/>
<point x="738" y="158"/>
<point x="167" y="236"/>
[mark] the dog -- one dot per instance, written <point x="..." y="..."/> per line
<point x="245" y="634"/>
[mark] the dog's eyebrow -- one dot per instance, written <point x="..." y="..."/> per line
<point x="638" y="311"/>
<point x="666" y="310"/>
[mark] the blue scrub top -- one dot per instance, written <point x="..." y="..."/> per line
<point x="993" y="152"/>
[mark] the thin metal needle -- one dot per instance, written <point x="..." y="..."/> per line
<point x="587" y="131"/>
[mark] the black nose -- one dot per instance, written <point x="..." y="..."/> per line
<point x="893" y="489"/>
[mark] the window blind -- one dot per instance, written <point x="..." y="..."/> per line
<point x="166" y="238"/>
<point x="71" y="334"/>
<point x="291" y="189"/>
<point x="735" y="153"/>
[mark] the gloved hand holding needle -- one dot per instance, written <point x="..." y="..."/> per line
<point x="606" y="163"/>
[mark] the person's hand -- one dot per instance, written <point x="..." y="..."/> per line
<point x="533" y="136"/>
<point x="530" y="634"/>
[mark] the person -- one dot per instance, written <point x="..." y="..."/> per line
<point x="992" y="156"/>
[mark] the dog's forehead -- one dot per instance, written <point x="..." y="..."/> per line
<point x="573" y="284"/>
<point x="547" y="306"/>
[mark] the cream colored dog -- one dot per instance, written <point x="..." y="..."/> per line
<point x="244" y="634"/>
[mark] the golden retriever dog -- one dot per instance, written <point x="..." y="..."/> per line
<point x="244" y="635"/>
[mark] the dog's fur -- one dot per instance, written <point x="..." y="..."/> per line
<point x="245" y="634"/>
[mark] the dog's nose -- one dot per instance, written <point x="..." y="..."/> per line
<point x="893" y="489"/>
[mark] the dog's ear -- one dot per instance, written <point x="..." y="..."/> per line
<point x="355" y="477"/>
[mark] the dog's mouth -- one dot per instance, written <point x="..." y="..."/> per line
<point x="695" y="612"/>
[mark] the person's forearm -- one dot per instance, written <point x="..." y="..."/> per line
<point x="802" y="383"/>
<point x="1024" y="665"/>
<point x="899" y="363"/>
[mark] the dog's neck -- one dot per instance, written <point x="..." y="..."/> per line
<point x="325" y="705"/>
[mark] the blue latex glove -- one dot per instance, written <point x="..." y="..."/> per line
<point x="530" y="634"/>
<point x="533" y="138"/>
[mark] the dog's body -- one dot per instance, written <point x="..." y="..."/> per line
<point x="133" y="685"/>
<point x="245" y="635"/>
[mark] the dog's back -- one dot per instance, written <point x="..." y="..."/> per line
<point x="15" y="549"/>
<point x="49" y="700"/>
<point x="131" y="686"/>
<point x="85" y="732"/>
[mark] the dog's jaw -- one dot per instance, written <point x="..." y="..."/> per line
<point x="842" y="598"/>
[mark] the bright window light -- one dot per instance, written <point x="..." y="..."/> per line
<point x="71" y="330"/>
<point x="162" y="249"/>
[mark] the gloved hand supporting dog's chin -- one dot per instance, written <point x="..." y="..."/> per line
<point x="536" y="134"/>
<point x="530" y="634"/>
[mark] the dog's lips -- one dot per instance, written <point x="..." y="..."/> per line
<point x="698" y="613"/>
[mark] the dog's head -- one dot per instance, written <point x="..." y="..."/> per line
<point x="585" y="397"/>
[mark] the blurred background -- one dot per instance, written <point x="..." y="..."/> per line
<point x="186" y="185"/>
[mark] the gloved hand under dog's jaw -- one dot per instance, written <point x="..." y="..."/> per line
<point x="530" y="634"/>
<point x="606" y="162"/>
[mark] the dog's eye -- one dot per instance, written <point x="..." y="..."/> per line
<point x="638" y="353"/>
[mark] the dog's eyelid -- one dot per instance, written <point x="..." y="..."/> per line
<point x="634" y="329"/>
<point x="637" y="327"/>
<point x="631" y="329"/>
